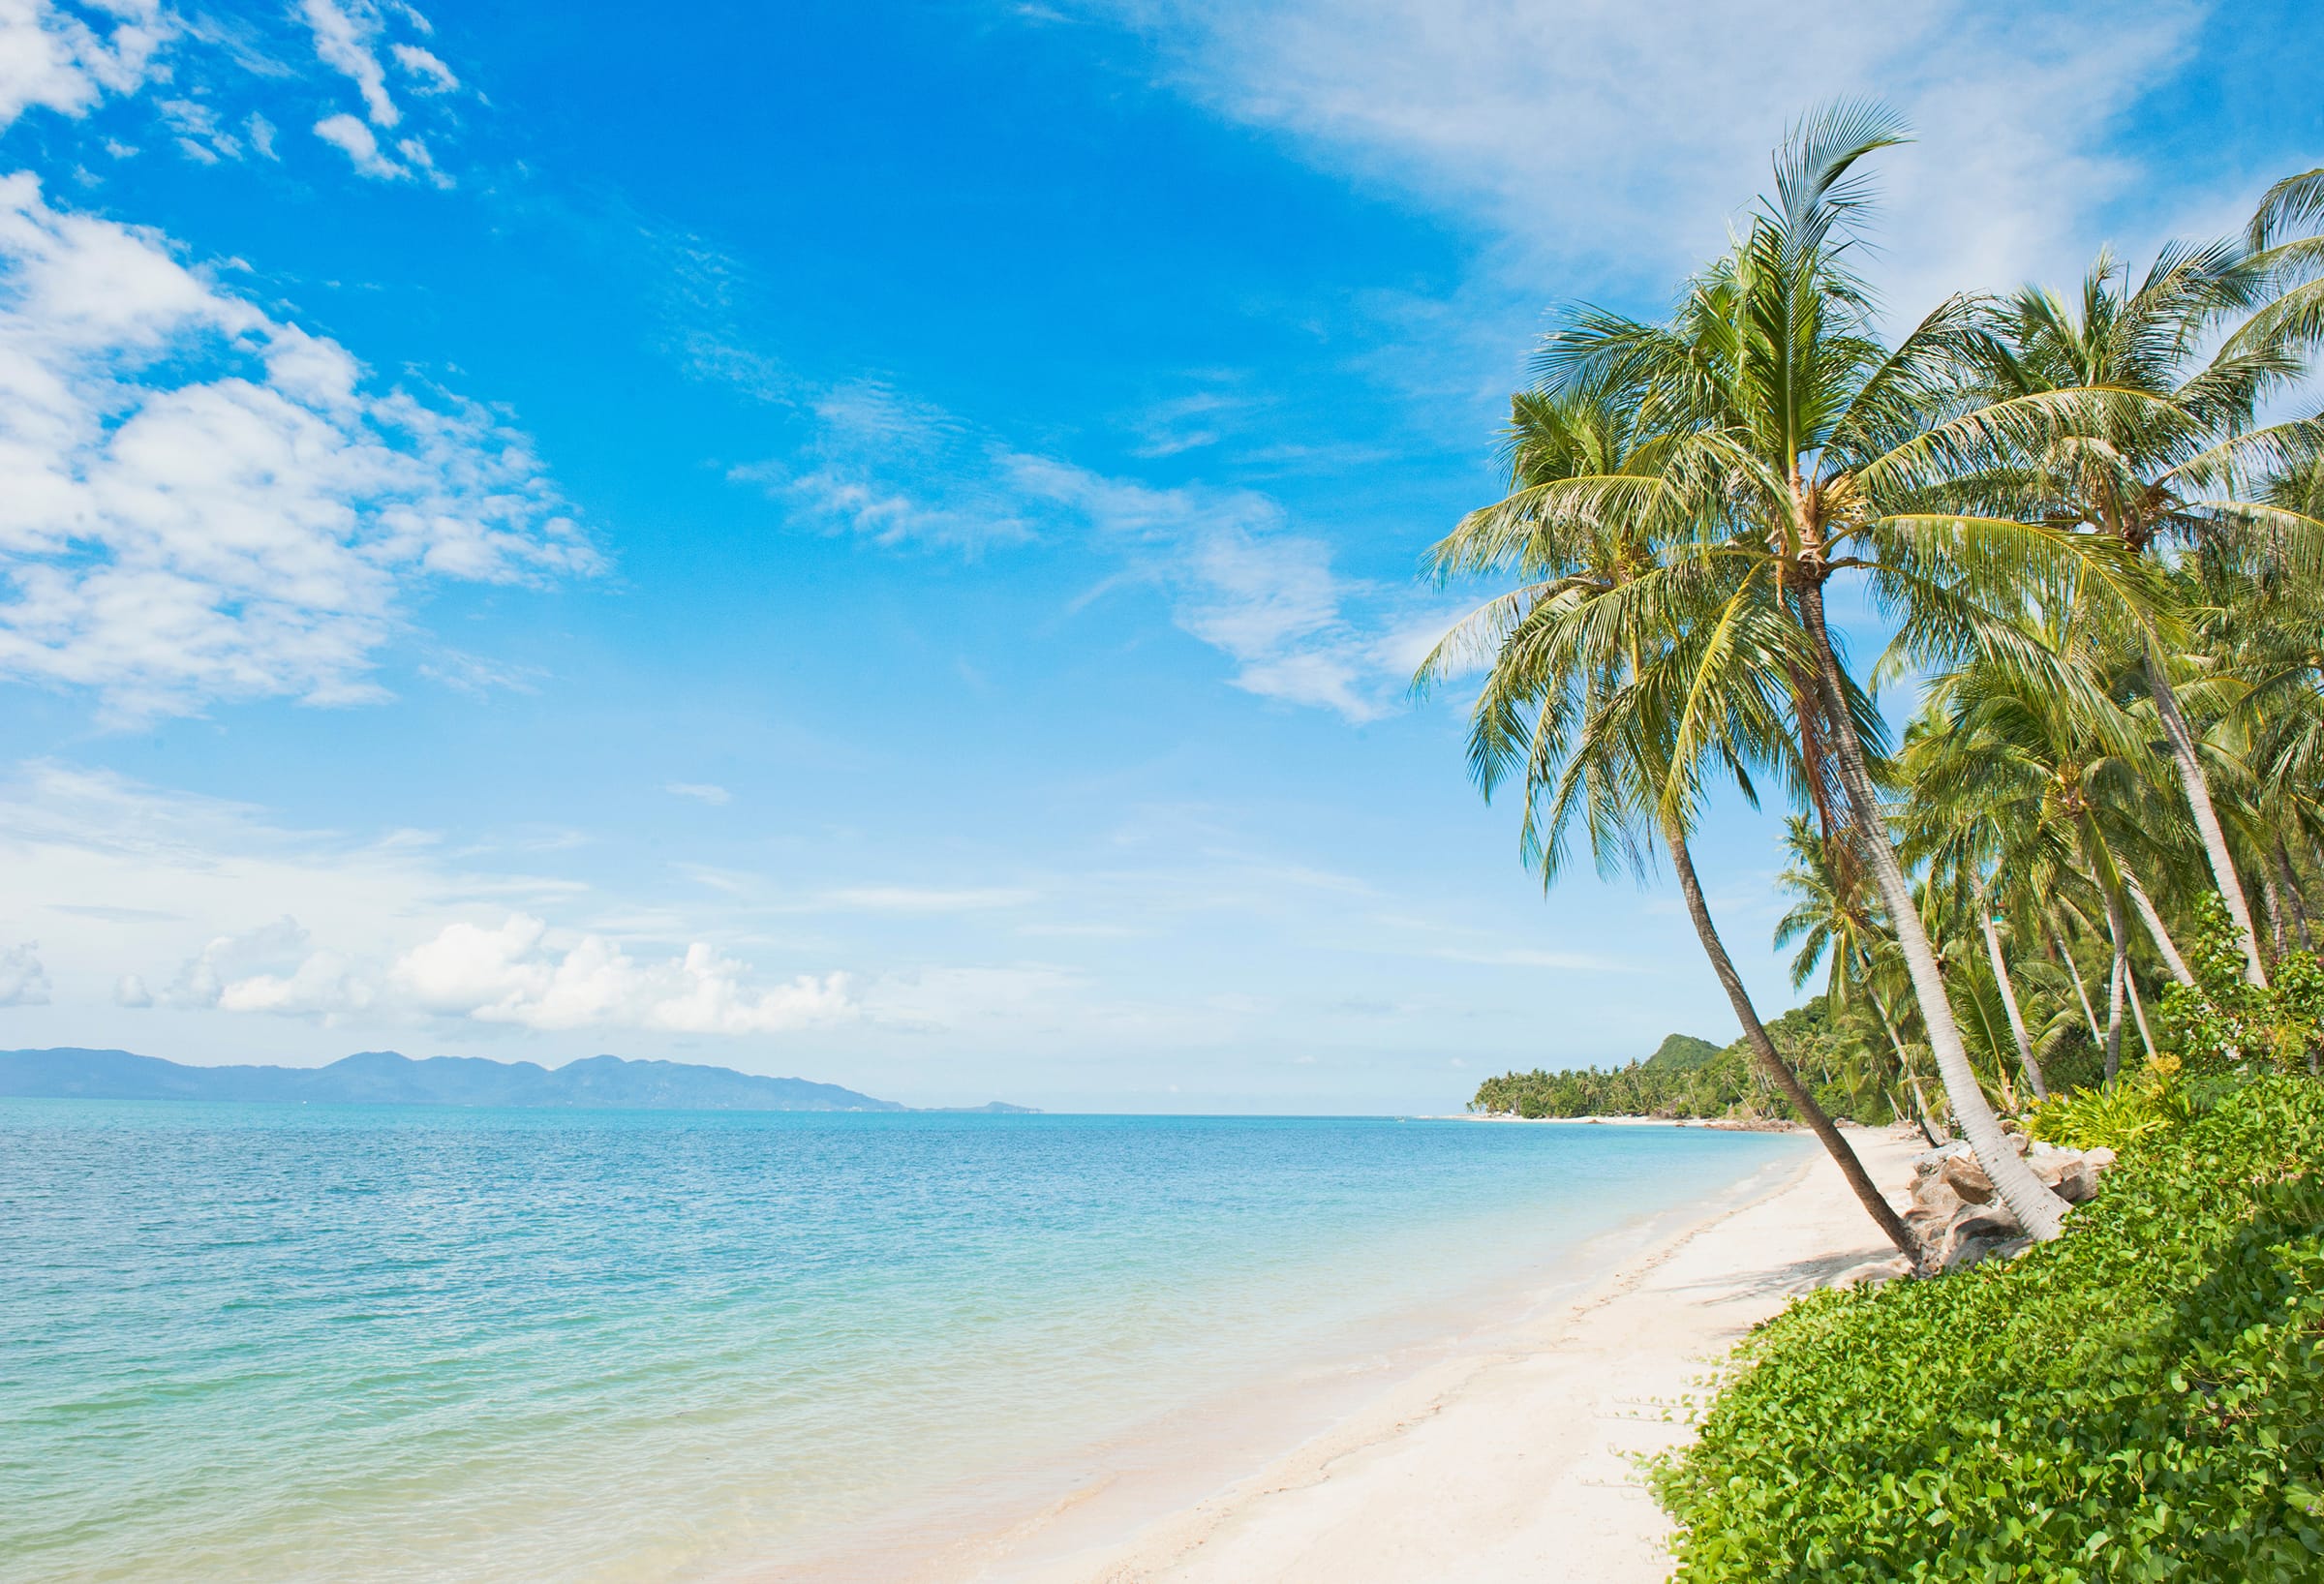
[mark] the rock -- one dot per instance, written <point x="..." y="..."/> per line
<point x="1872" y="1272"/>
<point x="1968" y="1179"/>
<point x="2099" y="1158"/>
<point x="1930" y="1162"/>
<point x="1975" y="1235"/>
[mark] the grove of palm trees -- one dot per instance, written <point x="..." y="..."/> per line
<point x="2080" y="532"/>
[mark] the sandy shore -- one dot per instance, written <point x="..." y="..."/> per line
<point x="1515" y="1462"/>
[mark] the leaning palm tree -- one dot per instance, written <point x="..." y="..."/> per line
<point x="1568" y="653"/>
<point x="1803" y="449"/>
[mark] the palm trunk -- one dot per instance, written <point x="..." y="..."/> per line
<point x="1771" y="1062"/>
<point x="2038" y="1210"/>
<point x="2154" y="920"/>
<point x="2114" y="985"/>
<point x="2274" y="897"/>
<point x="2017" y="1020"/>
<point x="2081" y="991"/>
<point x="2289" y="884"/>
<point x="2197" y="787"/>
<point x="2138" y="1012"/>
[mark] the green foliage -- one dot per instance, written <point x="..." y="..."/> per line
<point x="1692" y="1078"/>
<point x="2137" y="1104"/>
<point x="2141" y="1400"/>
<point x="1723" y="1086"/>
<point x="1682" y="1052"/>
<point x="2224" y="1023"/>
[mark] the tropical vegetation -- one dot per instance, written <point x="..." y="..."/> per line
<point x="2080" y="526"/>
<point x="2138" y="1401"/>
<point x="2073" y="894"/>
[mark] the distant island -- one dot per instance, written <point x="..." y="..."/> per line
<point x="389" y="1077"/>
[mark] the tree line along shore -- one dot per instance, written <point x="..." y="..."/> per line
<point x="2070" y="906"/>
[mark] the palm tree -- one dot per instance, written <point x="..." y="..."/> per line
<point x="1803" y="449"/>
<point x="1567" y="652"/>
<point x="2158" y="444"/>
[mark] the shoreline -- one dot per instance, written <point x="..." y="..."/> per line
<point x="1513" y="1458"/>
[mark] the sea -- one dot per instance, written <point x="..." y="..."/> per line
<point x="399" y="1343"/>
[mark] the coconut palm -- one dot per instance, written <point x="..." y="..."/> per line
<point x="1805" y="449"/>
<point x="2157" y="445"/>
<point x="1567" y="650"/>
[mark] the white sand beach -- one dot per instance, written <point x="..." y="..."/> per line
<point x="1515" y="1462"/>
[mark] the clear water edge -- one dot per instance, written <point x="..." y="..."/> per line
<point x="286" y="1342"/>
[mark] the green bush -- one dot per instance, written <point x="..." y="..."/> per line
<point x="2142" y="1399"/>
<point x="2139" y="1102"/>
<point x="2222" y="1024"/>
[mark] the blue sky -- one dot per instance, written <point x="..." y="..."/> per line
<point x="878" y="542"/>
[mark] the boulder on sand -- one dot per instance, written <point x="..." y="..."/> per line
<point x="1959" y="1218"/>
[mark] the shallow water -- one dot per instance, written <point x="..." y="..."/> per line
<point x="262" y="1342"/>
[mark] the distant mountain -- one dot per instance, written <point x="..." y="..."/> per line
<point x="1683" y="1052"/>
<point x="383" y="1077"/>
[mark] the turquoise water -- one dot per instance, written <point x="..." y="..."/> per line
<point x="380" y="1343"/>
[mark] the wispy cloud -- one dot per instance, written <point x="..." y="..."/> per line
<point x="1238" y="576"/>
<point x="1605" y="133"/>
<point x="700" y="792"/>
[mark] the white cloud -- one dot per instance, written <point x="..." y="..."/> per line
<point x="54" y="59"/>
<point x="129" y="990"/>
<point x="246" y="523"/>
<point x="1238" y="580"/>
<point x="23" y="982"/>
<point x="346" y="37"/>
<point x="513" y="974"/>
<point x="435" y="78"/>
<point x="700" y="792"/>
<point x="357" y="140"/>
<point x="1236" y="576"/>
<point x="895" y="471"/>
<point x="1598" y="131"/>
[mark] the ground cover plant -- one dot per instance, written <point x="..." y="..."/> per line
<point x="2141" y="1399"/>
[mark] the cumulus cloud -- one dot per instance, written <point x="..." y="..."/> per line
<point x="23" y="982"/>
<point x="513" y="974"/>
<point x="55" y="59"/>
<point x="207" y="503"/>
<point x="129" y="990"/>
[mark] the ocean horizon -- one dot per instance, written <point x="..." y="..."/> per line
<point x="324" y="1342"/>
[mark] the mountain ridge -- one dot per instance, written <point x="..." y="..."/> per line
<point x="391" y="1077"/>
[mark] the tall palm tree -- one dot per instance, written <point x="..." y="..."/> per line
<point x="1564" y="653"/>
<point x="2158" y="444"/>
<point x="1805" y="449"/>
